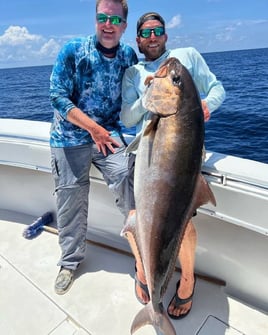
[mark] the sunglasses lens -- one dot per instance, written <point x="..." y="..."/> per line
<point x="102" y="18"/>
<point x="146" y="33"/>
<point x="159" y="31"/>
<point x="114" y="19"/>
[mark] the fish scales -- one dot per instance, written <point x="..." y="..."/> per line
<point x="167" y="182"/>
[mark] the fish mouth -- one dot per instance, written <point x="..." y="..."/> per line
<point x="165" y="116"/>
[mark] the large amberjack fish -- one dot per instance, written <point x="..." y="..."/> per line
<point x="168" y="183"/>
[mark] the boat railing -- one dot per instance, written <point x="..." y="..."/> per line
<point x="238" y="182"/>
<point x="239" y="201"/>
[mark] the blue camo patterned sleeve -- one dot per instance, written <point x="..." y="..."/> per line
<point x="61" y="80"/>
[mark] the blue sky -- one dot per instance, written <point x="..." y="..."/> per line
<point x="32" y="31"/>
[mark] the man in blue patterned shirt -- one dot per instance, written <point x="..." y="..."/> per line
<point x="85" y="91"/>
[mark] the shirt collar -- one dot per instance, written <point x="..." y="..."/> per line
<point x="156" y="62"/>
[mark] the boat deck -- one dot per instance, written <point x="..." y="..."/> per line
<point x="101" y="300"/>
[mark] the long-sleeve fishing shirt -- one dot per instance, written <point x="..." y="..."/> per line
<point x="82" y="77"/>
<point x="133" y="112"/>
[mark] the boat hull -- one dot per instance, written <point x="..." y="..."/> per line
<point x="232" y="237"/>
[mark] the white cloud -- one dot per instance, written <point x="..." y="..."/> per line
<point x="16" y="35"/>
<point x="20" y="47"/>
<point x="174" y="22"/>
<point x="50" y="48"/>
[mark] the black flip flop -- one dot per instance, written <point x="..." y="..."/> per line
<point x="144" y="287"/>
<point x="179" y="302"/>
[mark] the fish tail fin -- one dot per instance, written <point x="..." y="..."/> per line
<point x="159" y="320"/>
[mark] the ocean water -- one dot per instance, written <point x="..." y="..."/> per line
<point x="239" y="127"/>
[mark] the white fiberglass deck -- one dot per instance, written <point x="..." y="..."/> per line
<point x="101" y="300"/>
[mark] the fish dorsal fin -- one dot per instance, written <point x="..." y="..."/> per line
<point x="203" y="194"/>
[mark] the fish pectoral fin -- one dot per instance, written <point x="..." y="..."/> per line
<point x="204" y="193"/>
<point x="152" y="125"/>
<point x="148" y="127"/>
<point x="158" y="319"/>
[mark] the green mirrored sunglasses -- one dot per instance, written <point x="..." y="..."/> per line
<point x="147" y="32"/>
<point x="114" y="19"/>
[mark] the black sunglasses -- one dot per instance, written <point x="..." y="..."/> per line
<point x="147" y="32"/>
<point x="114" y="19"/>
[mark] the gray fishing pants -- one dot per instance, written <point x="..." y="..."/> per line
<point x="70" y="169"/>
